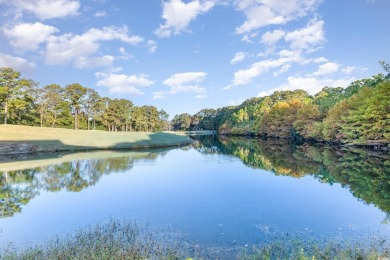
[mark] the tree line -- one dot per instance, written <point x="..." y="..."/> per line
<point x="24" y="102"/>
<point x="358" y="114"/>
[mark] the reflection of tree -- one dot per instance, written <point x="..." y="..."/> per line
<point x="18" y="187"/>
<point x="365" y="173"/>
<point x="13" y="196"/>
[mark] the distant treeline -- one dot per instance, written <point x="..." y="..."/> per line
<point x="24" y="102"/>
<point x="358" y="114"/>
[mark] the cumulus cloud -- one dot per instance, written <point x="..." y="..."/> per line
<point x="28" y="36"/>
<point x="91" y="62"/>
<point x="47" y="9"/>
<point x="100" y="14"/>
<point x="158" y="95"/>
<point x="245" y="76"/>
<point x="186" y="82"/>
<point x="178" y="15"/>
<point x="310" y="84"/>
<point x="282" y="70"/>
<point x="69" y="48"/>
<point x="152" y="46"/>
<point x="348" y="70"/>
<point x="310" y="37"/>
<point x="201" y="96"/>
<point x="17" y="63"/>
<point x="124" y="54"/>
<point x="122" y="83"/>
<point x="270" y="38"/>
<point x="303" y="40"/>
<point x="327" y="68"/>
<point x="238" y="57"/>
<point x="260" y="13"/>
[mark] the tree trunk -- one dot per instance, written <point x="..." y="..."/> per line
<point x="5" y="112"/>
<point x="42" y="120"/>
<point x="75" y="120"/>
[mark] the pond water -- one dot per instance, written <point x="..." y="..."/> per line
<point x="219" y="191"/>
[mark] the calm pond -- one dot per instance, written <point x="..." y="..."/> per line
<point x="219" y="192"/>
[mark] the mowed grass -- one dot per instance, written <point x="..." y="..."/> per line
<point x="19" y="139"/>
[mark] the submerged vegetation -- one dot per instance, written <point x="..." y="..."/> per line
<point x="119" y="239"/>
<point x="111" y="240"/>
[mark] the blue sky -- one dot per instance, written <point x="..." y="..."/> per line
<point x="182" y="56"/>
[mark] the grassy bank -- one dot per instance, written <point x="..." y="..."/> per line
<point x="28" y="139"/>
<point x="119" y="239"/>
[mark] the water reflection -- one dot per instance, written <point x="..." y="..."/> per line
<point x="73" y="172"/>
<point x="366" y="174"/>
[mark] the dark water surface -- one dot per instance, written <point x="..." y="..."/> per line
<point x="218" y="192"/>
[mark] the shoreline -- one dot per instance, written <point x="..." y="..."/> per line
<point x="15" y="139"/>
<point x="375" y="146"/>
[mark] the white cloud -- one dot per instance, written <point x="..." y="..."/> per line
<point x="260" y="13"/>
<point x="17" y="63"/>
<point x="122" y="83"/>
<point x="310" y="37"/>
<point x="272" y="37"/>
<point x="238" y="57"/>
<point x="125" y="54"/>
<point x="48" y="9"/>
<point x="158" y="95"/>
<point x="91" y="62"/>
<point x="201" y="96"/>
<point x="28" y="36"/>
<point x="310" y="84"/>
<point x="245" y="76"/>
<point x="348" y="70"/>
<point x="282" y="70"/>
<point x="327" y="68"/>
<point x="69" y="48"/>
<point x="320" y="60"/>
<point x="152" y="45"/>
<point x="100" y="14"/>
<point x="178" y="15"/>
<point x="186" y="82"/>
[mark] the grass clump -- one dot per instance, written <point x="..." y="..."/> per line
<point x="314" y="250"/>
<point x="127" y="240"/>
<point x="111" y="240"/>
